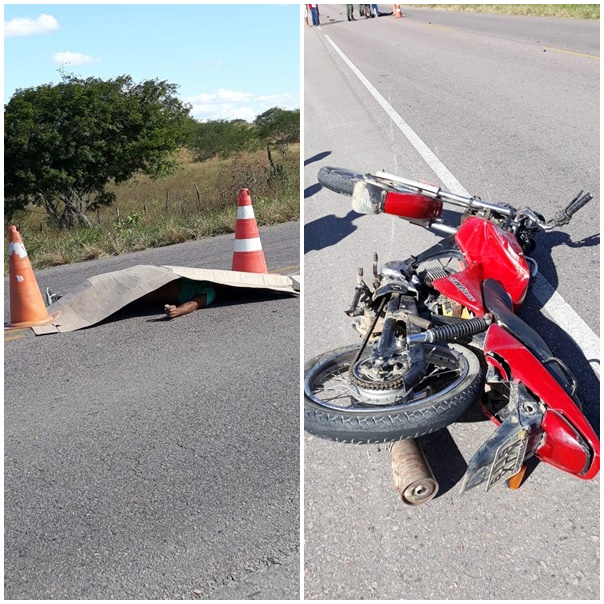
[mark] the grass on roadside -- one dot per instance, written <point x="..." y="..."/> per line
<point x="199" y="201"/>
<point x="568" y="11"/>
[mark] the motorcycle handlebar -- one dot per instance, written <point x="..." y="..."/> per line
<point x="365" y="201"/>
<point x="560" y="219"/>
<point x="563" y="217"/>
<point x="452" y="198"/>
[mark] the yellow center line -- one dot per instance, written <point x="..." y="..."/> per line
<point x="285" y="268"/>
<point x="572" y="52"/>
<point x="10" y="337"/>
<point x="441" y="27"/>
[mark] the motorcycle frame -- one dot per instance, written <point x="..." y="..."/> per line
<point x="568" y="441"/>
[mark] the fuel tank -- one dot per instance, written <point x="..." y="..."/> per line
<point x="489" y="253"/>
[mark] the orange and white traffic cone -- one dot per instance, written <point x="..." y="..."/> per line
<point x="26" y="304"/>
<point x="397" y="11"/>
<point x="247" y="255"/>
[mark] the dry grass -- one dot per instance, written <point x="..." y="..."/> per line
<point x="198" y="201"/>
<point x="568" y="11"/>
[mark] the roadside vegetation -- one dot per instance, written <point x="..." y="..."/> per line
<point x="199" y="200"/>
<point x="99" y="168"/>
<point x="568" y="11"/>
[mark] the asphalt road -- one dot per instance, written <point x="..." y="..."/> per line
<point x="511" y="107"/>
<point x="156" y="459"/>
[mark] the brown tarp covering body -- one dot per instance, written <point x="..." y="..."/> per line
<point x="99" y="297"/>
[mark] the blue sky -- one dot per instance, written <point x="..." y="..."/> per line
<point x="229" y="61"/>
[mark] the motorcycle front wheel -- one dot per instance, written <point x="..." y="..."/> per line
<point x="342" y="180"/>
<point x="339" y="180"/>
<point x="342" y="408"/>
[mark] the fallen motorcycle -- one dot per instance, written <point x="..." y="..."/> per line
<point x="440" y="334"/>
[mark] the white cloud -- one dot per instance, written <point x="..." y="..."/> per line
<point x="223" y="95"/>
<point x="284" y="100"/>
<point x="222" y="111"/>
<point x="233" y="96"/>
<point x="232" y="104"/>
<point x="73" y="58"/>
<point x="23" y="26"/>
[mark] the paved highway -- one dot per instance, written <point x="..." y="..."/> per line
<point x="509" y="106"/>
<point x="156" y="459"/>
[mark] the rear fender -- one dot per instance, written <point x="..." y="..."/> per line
<point x="569" y="441"/>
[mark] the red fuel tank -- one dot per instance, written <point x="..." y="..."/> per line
<point x="497" y="253"/>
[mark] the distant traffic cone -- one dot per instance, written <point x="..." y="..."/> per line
<point x="397" y="11"/>
<point x="247" y="255"/>
<point x="26" y="304"/>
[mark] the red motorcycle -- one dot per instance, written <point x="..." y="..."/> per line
<point x="440" y="334"/>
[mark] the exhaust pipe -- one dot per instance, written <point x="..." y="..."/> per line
<point x="413" y="478"/>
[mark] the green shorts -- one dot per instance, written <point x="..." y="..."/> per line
<point x="189" y="289"/>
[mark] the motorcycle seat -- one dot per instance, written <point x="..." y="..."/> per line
<point x="499" y="303"/>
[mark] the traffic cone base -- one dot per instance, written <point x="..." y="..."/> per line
<point x="27" y="307"/>
<point x="248" y="256"/>
<point x="46" y="321"/>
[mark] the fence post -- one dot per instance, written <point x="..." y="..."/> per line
<point x="198" y="197"/>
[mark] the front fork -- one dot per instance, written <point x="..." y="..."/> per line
<point x="379" y="313"/>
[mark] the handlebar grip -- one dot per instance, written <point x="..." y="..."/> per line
<point x="577" y="203"/>
<point x="563" y="217"/>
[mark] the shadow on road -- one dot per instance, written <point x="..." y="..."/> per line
<point x="317" y="157"/>
<point x="310" y="191"/>
<point x="328" y="230"/>
<point x="315" y="188"/>
<point x="444" y="458"/>
<point x="546" y="242"/>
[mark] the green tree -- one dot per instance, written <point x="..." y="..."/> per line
<point x="64" y="143"/>
<point x="279" y="127"/>
<point x="222" y="138"/>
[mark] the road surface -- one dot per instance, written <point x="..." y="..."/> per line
<point x="156" y="459"/>
<point x="509" y="106"/>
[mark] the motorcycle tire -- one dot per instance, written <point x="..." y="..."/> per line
<point x="339" y="180"/>
<point x="372" y="423"/>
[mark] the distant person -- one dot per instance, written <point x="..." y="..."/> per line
<point x="314" y="11"/>
<point x="349" y="12"/>
<point x="364" y="10"/>
<point x="374" y="10"/>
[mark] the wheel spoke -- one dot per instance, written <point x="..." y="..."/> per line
<point x="331" y="386"/>
<point x="337" y="383"/>
<point x="429" y="380"/>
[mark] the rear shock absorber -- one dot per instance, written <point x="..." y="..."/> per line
<point x="444" y="333"/>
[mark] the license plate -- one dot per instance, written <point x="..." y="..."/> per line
<point x="508" y="459"/>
